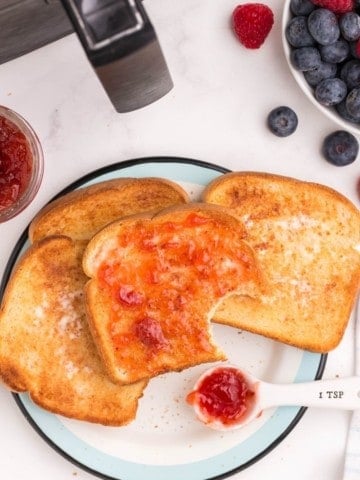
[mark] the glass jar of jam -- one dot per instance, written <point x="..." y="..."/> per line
<point x="21" y="164"/>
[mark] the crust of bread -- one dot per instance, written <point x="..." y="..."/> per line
<point x="81" y="213"/>
<point x="306" y="237"/>
<point x="46" y="350"/>
<point x="45" y="344"/>
<point x="184" y="351"/>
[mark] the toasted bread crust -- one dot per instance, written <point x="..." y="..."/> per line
<point x="307" y="238"/>
<point x="216" y="211"/>
<point x="234" y="188"/>
<point x="56" y="360"/>
<point x="46" y="347"/>
<point x="100" y="302"/>
<point x="81" y="213"/>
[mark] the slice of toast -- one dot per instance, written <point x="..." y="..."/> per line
<point x="306" y="237"/>
<point x="45" y="344"/>
<point x="81" y="213"/>
<point x="154" y="283"/>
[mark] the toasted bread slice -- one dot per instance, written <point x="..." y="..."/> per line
<point x="155" y="281"/>
<point x="81" y="213"/>
<point x="306" y="237"/>
<point x="45" y="344"/>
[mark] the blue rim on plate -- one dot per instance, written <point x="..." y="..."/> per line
<point x="109" y="467"/>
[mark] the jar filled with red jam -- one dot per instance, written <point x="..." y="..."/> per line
<point x="21" y="164"/>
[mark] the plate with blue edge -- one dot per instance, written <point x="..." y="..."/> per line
<point x="165" y="440"/>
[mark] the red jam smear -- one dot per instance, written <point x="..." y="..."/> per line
<point x="163" y="276"/>
<point x="223" y="395"/>
<point x="15" y="163"/>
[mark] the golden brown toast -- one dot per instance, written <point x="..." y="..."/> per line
<point x="307" y="238"/>
<point x="154" y="283"/>
<point x="45" y="344"/>
<point x="81" y="213"/>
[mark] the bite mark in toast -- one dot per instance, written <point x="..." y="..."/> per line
<point x="155" y="281"/>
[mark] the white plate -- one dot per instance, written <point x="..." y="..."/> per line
<point x="165" y="441"/>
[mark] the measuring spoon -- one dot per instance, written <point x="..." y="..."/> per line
<point x="227" y="397"/>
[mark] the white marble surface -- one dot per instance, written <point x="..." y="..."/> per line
<point x="216" y="112"/>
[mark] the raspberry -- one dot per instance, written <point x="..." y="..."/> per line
<point x="252" y="23"/>
<point x="336" y="6"/>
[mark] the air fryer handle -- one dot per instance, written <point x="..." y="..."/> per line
<point x="109" y="29"/>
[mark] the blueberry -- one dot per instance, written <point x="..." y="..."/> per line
<point x="350" y="73"/>
<point x="336" y="52"/>
<point x="297" y="33"/>
<point x="353" y="103"/>
<point x="343" y="112"/>
<point x="301" y="7"/>
<point x="349" y="24"/>
<point x="323" y="26"/>
<point x="282" y="121"/>
<point x="340" y="148"/>
<point x="330" y="91"/>
<point x="305" y="58"/>
<point x="325" y="70"/>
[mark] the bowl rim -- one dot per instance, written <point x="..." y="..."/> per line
<point x="304" y="86"/>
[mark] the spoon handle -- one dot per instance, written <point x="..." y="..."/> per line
<point x="341" y="393"/>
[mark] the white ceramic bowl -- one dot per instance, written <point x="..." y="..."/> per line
<point x="330" y="112"/>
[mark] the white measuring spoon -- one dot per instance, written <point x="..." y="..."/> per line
<point x="340" y="393"/>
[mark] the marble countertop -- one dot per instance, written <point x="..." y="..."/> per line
<point x="216" y="112"/>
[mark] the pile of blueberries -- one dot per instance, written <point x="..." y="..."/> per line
<point x="326" y="48"/>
